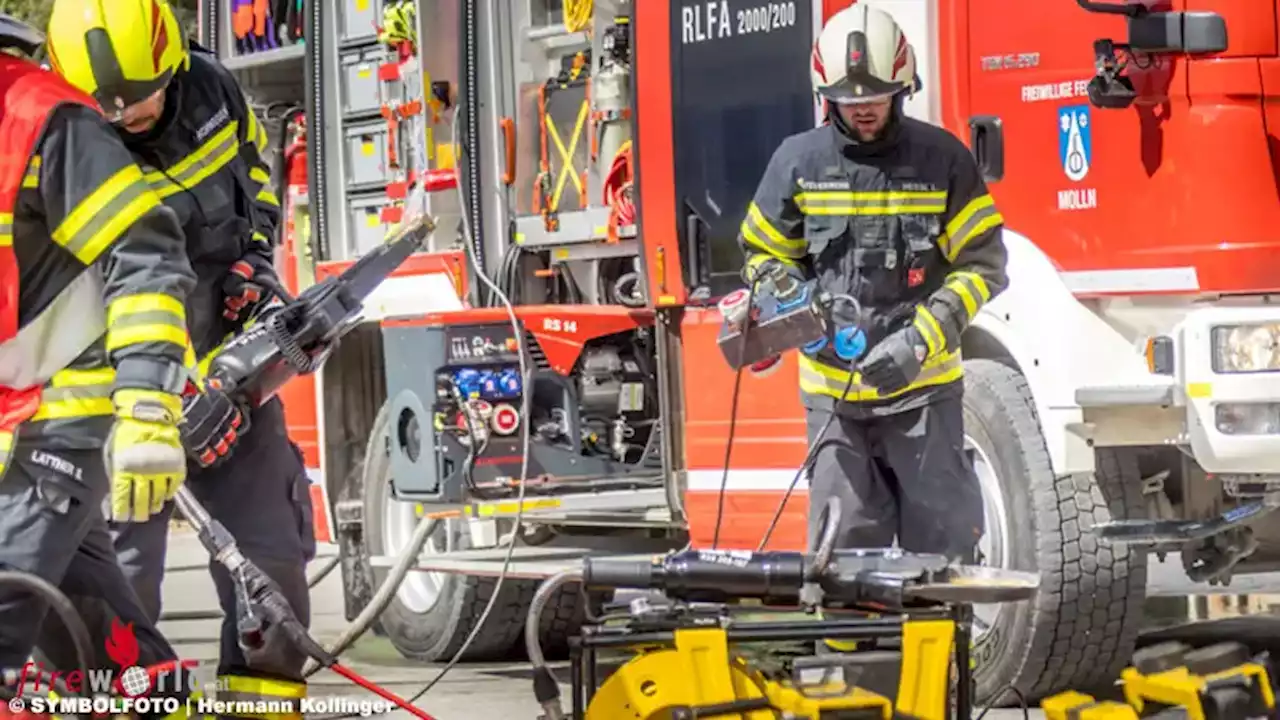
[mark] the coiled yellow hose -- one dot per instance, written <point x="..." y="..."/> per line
<point x="577" y="15"/>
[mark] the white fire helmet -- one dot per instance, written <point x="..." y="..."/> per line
<point x="862" y="56"/>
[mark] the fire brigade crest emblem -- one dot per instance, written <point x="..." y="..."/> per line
<point x="1075" y="141"/>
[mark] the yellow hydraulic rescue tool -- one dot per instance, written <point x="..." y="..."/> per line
<point x="696" y="654"/>
<point x="1170" y="681"/>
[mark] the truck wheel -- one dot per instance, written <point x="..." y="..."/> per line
<point x="564" y="618"/>
<point x="433" y="613"/>
<point x="1080" y="630"/>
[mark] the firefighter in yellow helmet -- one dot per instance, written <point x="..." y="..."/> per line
<point x="188" y="124"/>
<point x="93" y="280"/>
<point x="894" y="213"/>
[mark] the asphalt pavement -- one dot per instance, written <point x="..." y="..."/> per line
<point x="468" y="692"/>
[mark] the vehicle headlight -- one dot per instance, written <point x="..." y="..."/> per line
<point x="1248" y="418"/>
<point x="1246" y="348"/>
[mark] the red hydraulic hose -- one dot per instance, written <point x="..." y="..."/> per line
<point x="385" y="694"/>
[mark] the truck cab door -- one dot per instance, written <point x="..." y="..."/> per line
<point x="719" y="85"/>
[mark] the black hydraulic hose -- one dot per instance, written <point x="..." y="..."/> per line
<point x="61" y="606"/>
<point x="317" y="169"/>
<point x="470" y="63"/>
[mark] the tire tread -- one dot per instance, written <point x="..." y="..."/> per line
<point x="1087" y="616"/>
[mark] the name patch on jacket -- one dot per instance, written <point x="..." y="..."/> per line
<point x="219" y="119"/>
<point x="819" y="185"/>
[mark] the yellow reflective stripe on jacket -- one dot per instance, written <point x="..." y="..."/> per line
<point x="220" y="149"/>
<point x="251" y="697"/>
<point x="89" y="229"/>
<point x="893" y="202"/>
<point x="254" y="132"/>
<point x="6" y="450"/>
<point x="6" y="229"/>
<point x="971" y="288"/>
<point x="763" y="236"/>
<point x="76" y="394"/>
<point x="976" y="218"/>
<point x="264" y="196"/>
<point x="930" y="329"/>
<point x="819" y="379"/>
<point x="31" y="180"/>
<point x="145" y="318"/>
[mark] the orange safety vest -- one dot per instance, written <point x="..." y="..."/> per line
<point x="28" y="96"/>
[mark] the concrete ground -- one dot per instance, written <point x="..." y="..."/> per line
<point x="472" y="692"/>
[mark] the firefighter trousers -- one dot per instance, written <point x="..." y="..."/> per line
<point x="52" y="526"/>
<point x="905" y="476"/>
<point x="261" y="494"/>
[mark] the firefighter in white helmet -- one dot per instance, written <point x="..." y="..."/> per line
<point x="893" y="212"/>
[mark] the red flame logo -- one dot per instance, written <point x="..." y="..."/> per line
<point x="122" y="644"/>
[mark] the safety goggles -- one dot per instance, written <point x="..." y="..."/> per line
<point x="129" y="114"/>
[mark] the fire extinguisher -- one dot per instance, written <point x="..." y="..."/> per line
<point x="291" y="186"/>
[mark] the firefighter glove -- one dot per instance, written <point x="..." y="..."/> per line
<point x="894" y="362"/>
<point x="212" y="423"/>
<point x="247" y="286"/>
<point x="144" y="453"/>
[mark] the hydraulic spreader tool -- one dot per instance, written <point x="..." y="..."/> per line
<point x="291" y="338"/>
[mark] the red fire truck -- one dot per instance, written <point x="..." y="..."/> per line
<point x="1126" y="385"/>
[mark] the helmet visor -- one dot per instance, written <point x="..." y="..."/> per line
<point x="860" y="84"/>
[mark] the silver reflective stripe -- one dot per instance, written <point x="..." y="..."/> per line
<point x="64" y="330"/>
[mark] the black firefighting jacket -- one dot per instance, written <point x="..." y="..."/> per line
<point x="908" y="230"/>
<point x="204" y="158"/>
<point x="90" y="236"/>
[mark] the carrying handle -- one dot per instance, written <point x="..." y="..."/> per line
<point x="509" y="145"/>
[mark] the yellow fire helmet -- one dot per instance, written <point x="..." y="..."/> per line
<point x="119" y="51"/>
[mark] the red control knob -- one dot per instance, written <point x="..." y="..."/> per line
<point x="506" y="419"/>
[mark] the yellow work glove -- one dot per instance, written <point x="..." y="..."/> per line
<point x="144" y="454"/>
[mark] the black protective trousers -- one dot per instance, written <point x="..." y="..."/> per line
<point x="905" y="476"/>
<point x="261" y="494"/>
<point x="52" y="526"/>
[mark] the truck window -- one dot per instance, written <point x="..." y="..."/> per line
<point x="726" y="129"/>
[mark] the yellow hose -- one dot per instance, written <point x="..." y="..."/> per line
<point x="577" y="15"/>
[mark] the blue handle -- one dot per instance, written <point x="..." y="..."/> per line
<point x="814" y="347"/>
<point x="849" y="343"/>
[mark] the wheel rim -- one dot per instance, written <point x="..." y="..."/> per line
<point x="420" y="591"/>
<point x="993" y="544"/>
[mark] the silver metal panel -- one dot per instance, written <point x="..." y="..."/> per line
<point x="334" y="190"/>
<point x="438" y="53"/>
<point x="575" y="227"/>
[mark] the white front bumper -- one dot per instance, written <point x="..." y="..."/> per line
<point x="1201" y="390"/>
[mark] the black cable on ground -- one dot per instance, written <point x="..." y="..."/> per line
<point x="733" y="407"/>
<point x="818" y="442"/>
<point x="1022" y="702"/>
<point x="61" y="606"/>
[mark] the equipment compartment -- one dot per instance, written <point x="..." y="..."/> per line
<point x="362" y="91"/>
<point x="359" y="19"/>
<point x="367" y="155"/>
<point x="365" y="227"/>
